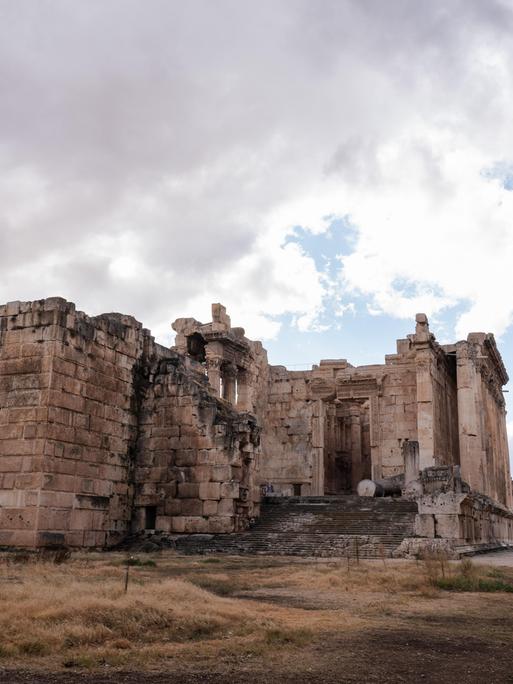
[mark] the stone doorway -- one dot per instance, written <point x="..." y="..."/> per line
<point x="347" y="451"/>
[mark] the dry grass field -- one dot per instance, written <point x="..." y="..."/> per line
<point x="253" y="619"/>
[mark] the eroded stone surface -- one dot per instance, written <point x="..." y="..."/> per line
<point x="104" y="432"/>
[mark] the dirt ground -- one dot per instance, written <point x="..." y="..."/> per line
<point x="290" y="620"/>
<point x="502" y="558"/>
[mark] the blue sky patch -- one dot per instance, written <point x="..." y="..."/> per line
<point x="502" y="171"/>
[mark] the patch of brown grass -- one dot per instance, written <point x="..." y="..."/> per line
<point x="192" y="609"/>
<point x="58" y="611"/>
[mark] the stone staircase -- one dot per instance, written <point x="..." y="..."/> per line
<point x="316" y="526"/>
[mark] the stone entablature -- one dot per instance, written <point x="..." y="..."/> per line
<point x="234" y="365"/>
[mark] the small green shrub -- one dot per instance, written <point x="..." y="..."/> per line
<point x="34" y="648"/>
<point x="462" y="583"/>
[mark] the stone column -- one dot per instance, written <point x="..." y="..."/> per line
<point x="229" y="374"/>
<point x="356" y="445"/>
<point x="505" y="467"/>
<point x="425" y="423"/>
<point x="425" y="406"/>
<point x="376" y="465"/>
<point x="244" y="402"/>
<point x="469" y="422"/>
<point x="318" y="448"/>
<point x="214" y="364"/>
<point x="411" y="462"/>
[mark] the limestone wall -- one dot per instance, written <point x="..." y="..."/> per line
<point x="290" y="445"/>
<point x="464" y="518"/>
<point x="397" y="410"/>
<point x="452" y="517"/>
<point x="481" y="521"/>
<point x="95" y="418"/>
<point x="448" y="399"/>
<point x="67" y="423"/>
<point x="26" y="357"/>
<point x="483" y="440"/>
<point x="299" y="438"/>
<point x="196" y="455"/>
<point x="102" y="431"/>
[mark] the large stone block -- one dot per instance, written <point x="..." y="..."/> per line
<point x="192" y="507"/>
<point x="54" y="519"/>
<point x="220" y="525"/>
<point x="65" y="483"/>
<point x="20" y="538"/>
<point x="199" y="473"/>
<point x="188" y="490"/>
<point x="230" y="490"/>
<point x="425" y="525"/>
<point x="226" y="507"/>
<point x="163" y="523"/>
<point x="195" y="525"/>
<point x="178" y="524"/>
<point x="210" y="507"/>
<point x="448" y="526"/>
<point x="221" y="473"/>
<point x="18" y="518"/>
<point x="173" y="507"/>
<point x="210" y="490"/>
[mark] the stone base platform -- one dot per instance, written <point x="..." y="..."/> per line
<point x="307" y="526"/>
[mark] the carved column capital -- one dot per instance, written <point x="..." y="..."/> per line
<point x="214" y="362"/>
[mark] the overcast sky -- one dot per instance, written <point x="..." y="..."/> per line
<point x="324" y="168"/>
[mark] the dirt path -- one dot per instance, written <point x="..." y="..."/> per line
<point x="381" y="657"/>
<point x="495" y="558"/>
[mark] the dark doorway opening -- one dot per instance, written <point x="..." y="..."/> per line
<point x="347" y="450"/>
<point x="196" y="347"/>
<point x="150" y="517"/>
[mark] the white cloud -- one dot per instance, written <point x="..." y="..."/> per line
<point x="154" y="161"/>
<point x="449" y="235"/>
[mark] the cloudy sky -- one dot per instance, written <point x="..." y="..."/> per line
<point x="325" y="168"/>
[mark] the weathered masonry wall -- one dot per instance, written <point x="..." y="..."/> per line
<point x="103" y="432"/>
<point x="67" y="423"/>
<point x="452" y="516"/>
<point x="196" y="456"/>
<point x="397" y="408"/>
<point x="290" y="440"/>
<point x="436" y="398"/>
<point x="482" y="417"/>
<point x="26" y="357"/>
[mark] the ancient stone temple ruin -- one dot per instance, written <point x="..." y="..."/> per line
<point x="105" y="433"/>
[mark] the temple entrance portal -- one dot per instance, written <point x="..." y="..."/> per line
<point x="347" y="448"/>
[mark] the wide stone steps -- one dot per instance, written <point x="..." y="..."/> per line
<point x="316" y="526"/>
